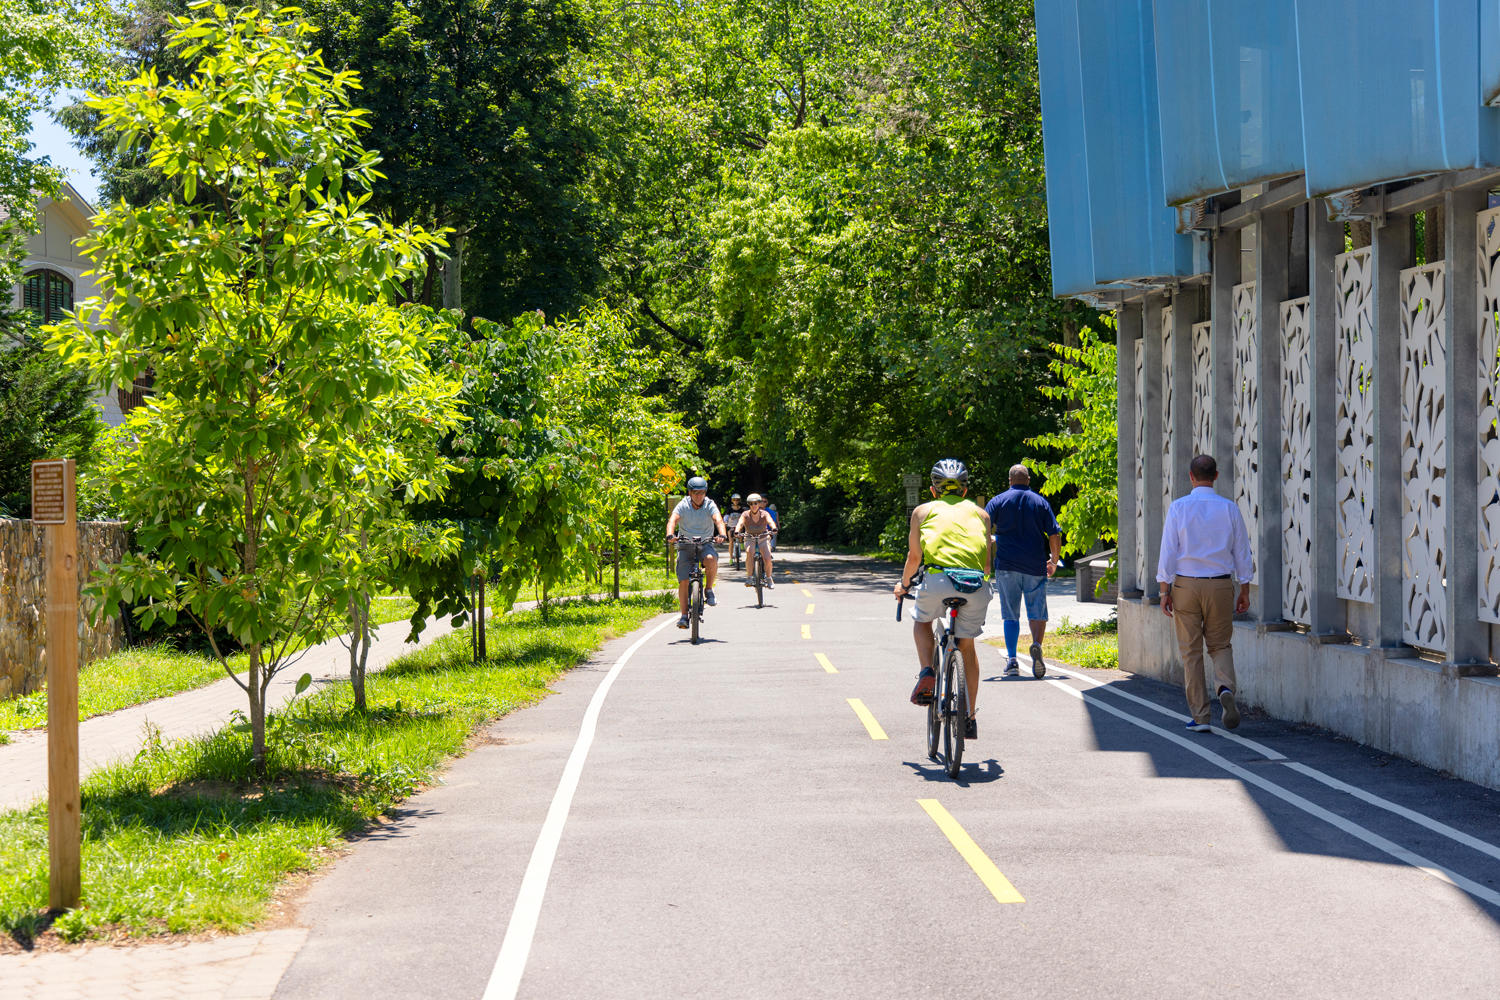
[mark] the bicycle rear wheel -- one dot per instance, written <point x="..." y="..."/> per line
<point x="960" y="718"/>
<point x="695" y="607"/>
<point x="945" y="692"/>
<point x="934" y="709"/>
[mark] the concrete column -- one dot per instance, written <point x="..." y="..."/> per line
<point x="1226" y="274"/>
<point x="1391" y="252"/>
<point x="1128" y="342"/>
<point x="1151" y="348"/>
<point x="1273" y="232"/>
<point x="1186" y="308"/>
<point x="1325" y="241"/>
<point x="1468" y="637"/>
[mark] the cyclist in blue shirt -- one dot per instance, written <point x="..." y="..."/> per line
<point x="1027" y="544"/>
<point x="696" y="515"/>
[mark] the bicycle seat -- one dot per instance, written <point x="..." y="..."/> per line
<point x="955" y="602"/>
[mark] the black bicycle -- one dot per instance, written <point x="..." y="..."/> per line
<point x="948" y="711"/>
<point x="734" y="545"/>
<point x="694" y="545"/>
<point x="755" y="566"/>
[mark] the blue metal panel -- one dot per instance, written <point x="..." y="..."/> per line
<point x="1231" y="110"/>
<point x="1390" y="89"/>
<point x="1134" y="231"/>
<point x="1489" y="51"/>
<point x="1064" y="145"/>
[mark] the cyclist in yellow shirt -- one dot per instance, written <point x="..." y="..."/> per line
<point x="949" y="544"/>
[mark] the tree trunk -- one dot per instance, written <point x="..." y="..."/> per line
<point x="615" y="555"/>
<point x="257" y="712"/>
<point x="484" y="648"/>
<point x="359" y="646"/>
<point x="453" y="274"/>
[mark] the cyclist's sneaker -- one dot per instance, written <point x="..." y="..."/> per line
<point x="926" y="683"/>
<point x="1012" y="668"/>
<point x="1194" y="726"/>
<point x="971" y="728"/>
<point x="682" y="622"/>
<point x="749" y="582"/>
<point x="770" y="583"/>
<point x="1038" y="668"/>
<point x="709" y="599"/>
<point x="1231" y="710"/>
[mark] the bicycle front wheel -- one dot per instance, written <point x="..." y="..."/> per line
<point x="960" y="717"/>
<point x="760" y="582"/>
<point x="695" y="608"/>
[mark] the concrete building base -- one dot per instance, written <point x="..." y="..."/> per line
<point x="1388" y="699"/>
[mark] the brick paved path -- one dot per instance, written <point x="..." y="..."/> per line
<point x="245" y="967"/>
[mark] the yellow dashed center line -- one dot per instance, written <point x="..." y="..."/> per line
<point x="871" y="726"/>
<point x="807" y="631"/>
<point x="993" y="880"/>
<point x="826" y="664"/>
<point x="806" y="592"/>
<point x="809" y="609"/>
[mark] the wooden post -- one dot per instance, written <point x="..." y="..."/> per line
<point x="53" y="505"/>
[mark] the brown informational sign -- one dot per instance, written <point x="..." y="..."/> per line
<point x="53" y="504"/>
<point x="51" y="491"/>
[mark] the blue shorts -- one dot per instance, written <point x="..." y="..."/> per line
<point x="685" y="558"/>
<point x="1010" y="586"/>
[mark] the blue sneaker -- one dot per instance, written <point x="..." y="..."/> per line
<point x="1194" y="726"/>
<point x="709" y="599"/>
<point x="682" y="622"/>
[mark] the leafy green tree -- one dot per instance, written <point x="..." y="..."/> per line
<point x="1086" y="468"/>
<point x="264" y="311"/>
<point x="45" y="46"/>
<point x="837" y="219"/>
<point x="519" y="492"/>
<point x="628" y="433"/>
<point x="46" y="407"/>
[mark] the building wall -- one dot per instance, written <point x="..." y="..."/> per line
<point x="1352" y="397"/>
<point x="63" y="222"/>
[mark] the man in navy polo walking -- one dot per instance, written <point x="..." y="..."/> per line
<point x="1027" y="544"/>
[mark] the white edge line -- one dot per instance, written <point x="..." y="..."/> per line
<point x="515" y="949"/>
<point x="1370" y="798"/>
<point x="1376" y="841"/>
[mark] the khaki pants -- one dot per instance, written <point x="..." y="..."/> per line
<point x="1203" y="611"/>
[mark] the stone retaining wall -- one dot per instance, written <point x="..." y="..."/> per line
<point x="23" y="600"/>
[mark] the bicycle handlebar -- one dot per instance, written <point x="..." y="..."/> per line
<point x="908" y="596"/>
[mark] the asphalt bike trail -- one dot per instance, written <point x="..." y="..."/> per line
<point x="755" y="816"/>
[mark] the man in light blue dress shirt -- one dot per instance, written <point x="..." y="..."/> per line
<point x="1205" y="553"/>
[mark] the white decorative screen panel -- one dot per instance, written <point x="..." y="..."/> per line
<point x="1424" y="458"/>
<point x="1203" y="385"/>
<point x="1489" y="414"/>
<point x="1296" y="463"/>
<point x="1354" y="388"/>
<point x="1246" y="413"/>
<point x="1168" y="372"/>
<point x="1140" y="467"/>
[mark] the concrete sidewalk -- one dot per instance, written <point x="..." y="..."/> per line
<point x="107" y="738"/>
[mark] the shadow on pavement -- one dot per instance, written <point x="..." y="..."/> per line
<point x="981" y="773"/>
<point x="1469" y="808"/>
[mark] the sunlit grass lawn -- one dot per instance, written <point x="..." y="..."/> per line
<point x="144" y="673"/>
<point x="182" y="839"/>
<point x="1091" y="646"/>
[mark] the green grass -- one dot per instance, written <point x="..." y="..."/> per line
<point x="1091" y="646"/>
<point x="654" y="575"/>
<point x="145" y="673"/>
<point x="182" y="839"/>
<point x="118" y="681"/>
